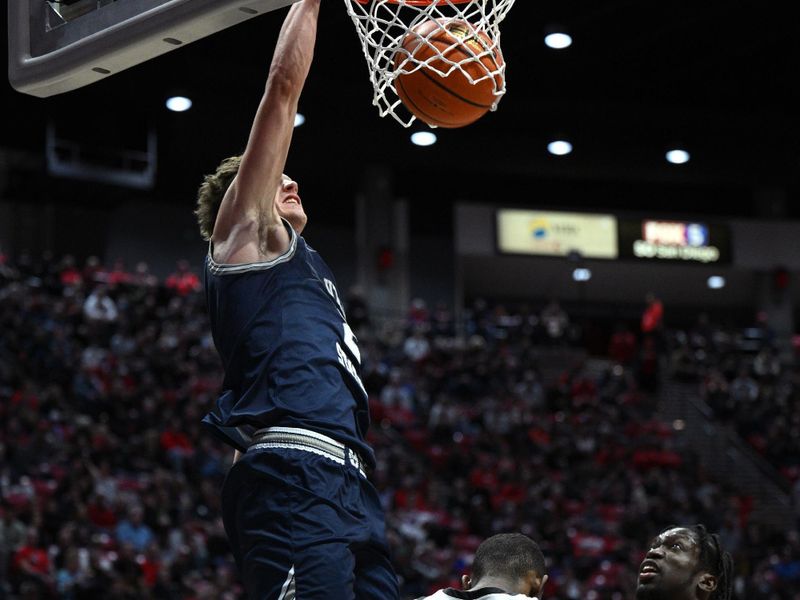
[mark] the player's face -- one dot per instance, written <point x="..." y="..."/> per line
<point x="669" y="570"/>
<point x="289" y="205"/>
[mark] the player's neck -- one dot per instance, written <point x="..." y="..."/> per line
<point x="495" y="582"/>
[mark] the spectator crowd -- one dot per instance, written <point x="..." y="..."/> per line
<point x="751" y="384"/>
<point x="108" y="486"/>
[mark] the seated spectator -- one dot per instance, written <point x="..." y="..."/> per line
<point x="118" y="275"/>
<point x="99" y="308"/>
<point x="31" y="563"/>
<point x="94" y="272"/>
<point x="396" y="393"/>
<point x="176" y="443"/>
<point x="416" y="347"/>
<point x="418" y="314"/>
<point x="183" y="280"/>
<point x="442" y="320"/>
<point x="357" y="308"/>
<point x="766" y="365"/>
<point x="716" y="392"/>
<point x="69" y="576"/>
<point x="555" y="321"/>
<point x="744" y="389"/>
<point x="142" y="275"/>
<point x="70" y="275"/>
<point x="134" y="531"/>
<point x="622" y="347"/>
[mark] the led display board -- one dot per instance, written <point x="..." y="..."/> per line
<point x="548" y="233"/>
<point x="675" y="241"/>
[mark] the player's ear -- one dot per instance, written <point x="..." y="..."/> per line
<point x="534" y="584"/>
<point x="466" y="582"/>
<point x="707" y="583"/>
<point x="540" y="587"/>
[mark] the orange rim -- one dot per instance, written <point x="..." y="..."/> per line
<point x="420" y="2"/>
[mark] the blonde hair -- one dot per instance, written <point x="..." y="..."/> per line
<point x="211" y="193"/>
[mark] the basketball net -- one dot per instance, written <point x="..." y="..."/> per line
<point x="382" y="25"/>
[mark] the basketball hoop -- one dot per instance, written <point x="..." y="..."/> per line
<point x="383" y="25"/>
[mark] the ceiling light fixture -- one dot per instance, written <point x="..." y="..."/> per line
<point x="678" y="156"/>
<point x="423" y="138"/>
<point x="558" y="40"/>
<point x="559" y="147"/>
<point x="179" y="103"/>
<point x="581" y="274"/>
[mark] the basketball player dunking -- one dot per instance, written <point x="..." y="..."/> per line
<point x="301" y="516"/>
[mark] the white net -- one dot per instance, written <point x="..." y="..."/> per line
<point x="382" y="27"/>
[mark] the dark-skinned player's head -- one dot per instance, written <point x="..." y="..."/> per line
<point x="511" y="561"/>
<point x="685" y="563"/>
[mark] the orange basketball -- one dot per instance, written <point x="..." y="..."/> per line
<point x="452" y="100"/>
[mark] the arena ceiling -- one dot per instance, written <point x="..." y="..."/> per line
<point x="719" y="78"/>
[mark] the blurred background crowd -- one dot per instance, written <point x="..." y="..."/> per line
<point x="497" y="421"/>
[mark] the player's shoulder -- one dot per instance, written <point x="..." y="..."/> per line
<point x="225" y="258"/>
<point x="444" y="594"/>
<point x="480" y="594"/>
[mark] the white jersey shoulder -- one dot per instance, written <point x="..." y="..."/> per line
<point x="443" y="595"/>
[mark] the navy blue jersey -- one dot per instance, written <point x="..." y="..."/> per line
<point x="290" y="358"/>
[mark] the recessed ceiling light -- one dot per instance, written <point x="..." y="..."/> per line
<point x="179" y="103"/>
<point x="299" y="119"/>
<point x="716" y="282"/>
<point x="581" y="274"/>
<point x="423" y="138"/>
<point x="558" y="41"/>
<point x="678" y="157"/>
<point x="559" y="147"/>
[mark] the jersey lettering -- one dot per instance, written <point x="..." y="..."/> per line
<point x="351" y="342"/>
<point x="349" y="339"/>
<point x="348" y="364"/>
<point x="334" y="294"/>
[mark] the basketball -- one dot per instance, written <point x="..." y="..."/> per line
<point x="450" y="100"/>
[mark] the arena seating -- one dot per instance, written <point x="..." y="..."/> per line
<point x="109" y="488"/>
<point x="749" y="382"/>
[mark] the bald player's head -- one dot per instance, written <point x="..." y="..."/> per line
<point x="510" y="561"/>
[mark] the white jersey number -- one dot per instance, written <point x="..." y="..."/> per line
<point x="349" y="340"/>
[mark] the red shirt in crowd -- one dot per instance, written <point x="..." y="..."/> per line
<point x="32" y="560"/>
<point x="652" y="317"/>
<point x="622" y="347"/>
<point x="171" y="440"/>
<point x="183" y="282"/>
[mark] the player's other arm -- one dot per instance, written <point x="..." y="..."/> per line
<point x="248" y="228"/>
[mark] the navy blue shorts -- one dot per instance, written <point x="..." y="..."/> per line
<point x="303" y="526"/>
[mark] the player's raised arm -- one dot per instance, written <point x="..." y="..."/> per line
<point x="248" y="227"/>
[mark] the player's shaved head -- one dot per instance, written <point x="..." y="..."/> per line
<point x="508" y="555"/>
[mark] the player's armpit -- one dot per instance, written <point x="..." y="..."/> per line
<point x="243" y="234"/>
<point x="274" y="240"/>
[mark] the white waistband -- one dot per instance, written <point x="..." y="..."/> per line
<point x="295" y="438"/>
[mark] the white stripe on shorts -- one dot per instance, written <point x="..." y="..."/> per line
<point x="287" y="591"/>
